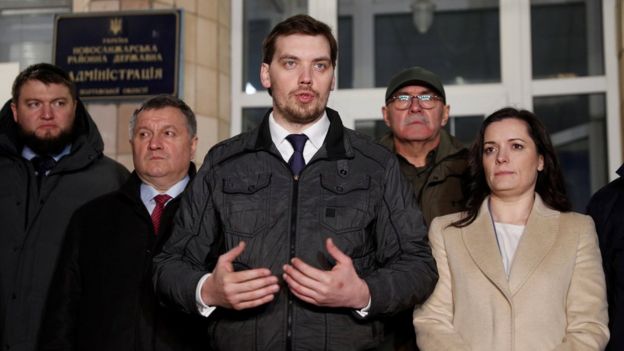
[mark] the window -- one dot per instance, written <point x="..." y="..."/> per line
<point x="577" y="126"/>
<point x="571" y="46"/>
<point x="490" y="54"/>
<point x="27" y="29"/>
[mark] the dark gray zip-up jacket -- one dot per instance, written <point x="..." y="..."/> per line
<point x="33" y="222"/>
<point x="351" y="191"/>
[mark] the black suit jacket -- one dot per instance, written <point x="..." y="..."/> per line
<point x="607" y="209"/>
<point x="102" y="297"/>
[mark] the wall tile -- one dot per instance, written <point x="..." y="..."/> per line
<point x="187" y="5"/>
<point x="135" y="4"/>
<point x="207" y="43"/>
<point x="126" y="160"/>
<point x="124" y="112"/>
<point x="224" y="98"/>
<point x="190" y="37"/>
<point x="207" y="93"/>
<point x="190" y="85"/>
<point x="105" y="117"/>
<point x="224" y="130"/>
<point x="224" y="50"/>
<point x="208" y="9"/>
<point x="225" y="7"/>
<point x="162" y="6"/>
<point x="112" y="5"/>
<point x="80" y="5"/>
<point x="207" y="132"/>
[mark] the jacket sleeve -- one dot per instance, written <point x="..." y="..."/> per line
<point x="59" y="323"/>
<point x="406" y="272"/>
<point x="586" y="305"/>
<point x="433" y="320"/>
<point x="192" y="249"/>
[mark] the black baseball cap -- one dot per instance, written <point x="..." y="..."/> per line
<point x="415" y="76"/>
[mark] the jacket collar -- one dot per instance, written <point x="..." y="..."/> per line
<point x="448" y="146"/>
<point x="539" y="236"/>
<point x="336" y="146"/>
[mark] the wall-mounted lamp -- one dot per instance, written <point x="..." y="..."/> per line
<point x="422" y="14"/>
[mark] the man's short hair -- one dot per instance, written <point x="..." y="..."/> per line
<point x="298" y="24"/>
<point x="161" y="101"/>
<point x="45" y="73"/>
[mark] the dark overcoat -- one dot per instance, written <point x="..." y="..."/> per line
<point x="607" y="209"/>
<point x="102" y="296"/>
<point x="33" y="220"/>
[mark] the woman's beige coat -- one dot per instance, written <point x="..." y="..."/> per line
<point x="554" y="298"/>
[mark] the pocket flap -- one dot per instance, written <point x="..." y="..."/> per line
<point x="339" y="185"/>
<point x="246" y="185"/>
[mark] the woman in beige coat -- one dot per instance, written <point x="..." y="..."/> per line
<point x="518" y="270"/>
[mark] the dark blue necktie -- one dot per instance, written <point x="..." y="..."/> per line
<point x="296" y="161"/>
<point x="42" y="165"/>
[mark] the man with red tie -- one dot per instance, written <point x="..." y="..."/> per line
<point x="101" y="296"/>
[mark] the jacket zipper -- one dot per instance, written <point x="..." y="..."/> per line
<point x="293" y="236"/>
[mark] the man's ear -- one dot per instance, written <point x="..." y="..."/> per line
<point x="384" y="113"/>
<point x="265" y="77"/>
<point x="193" y="147"/>
<point x="14" y="110"/>
<point x="445" y="115"/>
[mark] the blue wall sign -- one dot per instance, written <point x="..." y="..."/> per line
<point x="120" y="55"/>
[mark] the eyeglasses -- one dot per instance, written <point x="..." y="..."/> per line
<point x="403" y="102"/>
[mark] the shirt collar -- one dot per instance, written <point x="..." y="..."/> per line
<point x="316" y="133"/>
<point x="148" y="192"/>
<point x="29" y="154"/>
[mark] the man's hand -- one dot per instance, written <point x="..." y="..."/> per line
<point x="340" y="287"/>
<point x="238" y="290"/>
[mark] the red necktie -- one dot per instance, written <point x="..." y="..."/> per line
<point x="158" y="210"/>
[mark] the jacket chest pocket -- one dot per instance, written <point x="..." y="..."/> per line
<point x="345" y="202"/>
<point x="246" y="203"/>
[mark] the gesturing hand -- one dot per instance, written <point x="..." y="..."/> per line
<point x="339" y="287"/>
<point x="238" y="290"/>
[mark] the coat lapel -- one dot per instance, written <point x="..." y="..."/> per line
<point x="480" y="242"/>
<point x="537" y="240"/>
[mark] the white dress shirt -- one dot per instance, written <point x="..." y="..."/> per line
<point x="316" y="134"/>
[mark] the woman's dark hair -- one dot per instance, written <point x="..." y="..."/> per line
<point x="549" y="185"/>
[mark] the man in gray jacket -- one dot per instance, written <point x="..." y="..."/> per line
<point x="51" y="163"/>
<point x="300" y="234"/>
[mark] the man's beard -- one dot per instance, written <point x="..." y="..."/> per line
<point x="295" y="112"/>
<point x="46" y="146"/>
<point x="301" y="115"/>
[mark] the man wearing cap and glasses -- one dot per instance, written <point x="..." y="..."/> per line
<point x="431" y="159"/>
